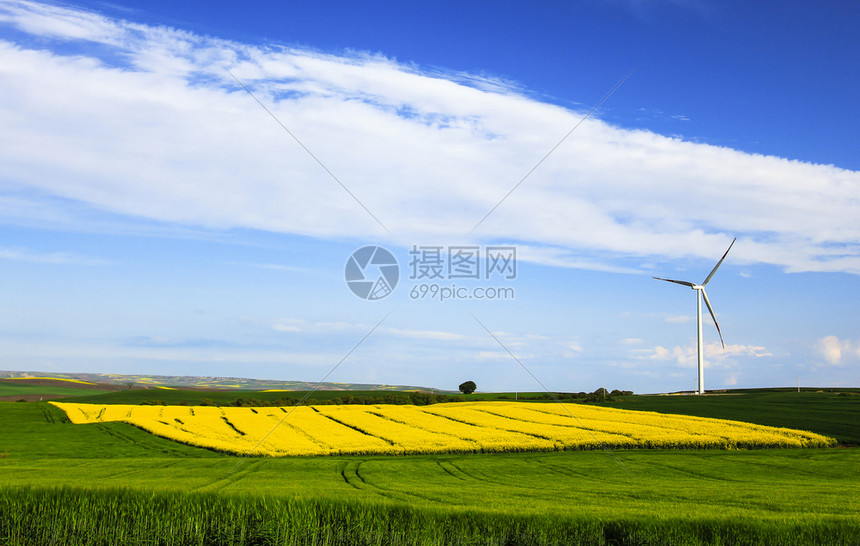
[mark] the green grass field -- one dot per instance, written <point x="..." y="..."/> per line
<point x="111" y="483"/>
<point x="834" y="414"/>
<point x="11" y="390"/>
<point x="829" y="413"/>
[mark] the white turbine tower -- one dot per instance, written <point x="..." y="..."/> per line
<point x="700" y="288"/>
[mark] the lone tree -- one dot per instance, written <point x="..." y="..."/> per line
<point x="468" y="387"/>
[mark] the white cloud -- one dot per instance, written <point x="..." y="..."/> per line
<point x="830" y="348"/>
<point x="837" y="352"/>
<point x="56" y="22"/>
<point x="715" y="355"/>
<point x="632" y="341"/>
<point x="167" y="135"/>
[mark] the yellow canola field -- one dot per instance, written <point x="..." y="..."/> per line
<point x="439" y="428"/>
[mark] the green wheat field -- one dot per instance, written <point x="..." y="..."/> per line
<point x="111" y="483"/>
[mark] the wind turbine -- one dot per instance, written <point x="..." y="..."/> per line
<point x="700" y="288"/>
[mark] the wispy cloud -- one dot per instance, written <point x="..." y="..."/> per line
<point x="678" y="319"/>
<point x="293" y="325"/>
<point x="149" y="124"/>
<point x="51" y="258"/>
<point x="84" y="355"/>
<point x="484" y="356"/>
<point x="273" y="267"/>
<point x="653" y="113"/>
<point x="426" y="334"/>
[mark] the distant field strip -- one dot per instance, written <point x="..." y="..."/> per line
<point x="48" y="379"/>
<point x="439" y="428"/>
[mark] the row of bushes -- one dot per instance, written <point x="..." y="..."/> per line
<point x="600" y="395"/>
<point x="412" y="398"/>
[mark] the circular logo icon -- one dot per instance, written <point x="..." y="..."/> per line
<point x="371" y="272"/>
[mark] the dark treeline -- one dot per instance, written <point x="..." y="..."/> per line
<point x="411" y="398"/>
<point x="600" y="395"/>
<point x="414" y="398"/>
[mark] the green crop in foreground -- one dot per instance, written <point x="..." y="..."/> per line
<point x="93" y="518"/>
<point x="664" y="497"/>
<point x="113" y="483"/>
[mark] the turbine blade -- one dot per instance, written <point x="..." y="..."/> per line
<point x="713" y="316"/>
<point x="685" y="283"/>
<point x="720" y="262"/>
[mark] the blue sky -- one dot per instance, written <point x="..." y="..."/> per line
<point x="155" y="219"/>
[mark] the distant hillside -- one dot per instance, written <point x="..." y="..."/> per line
<point x="110" y="382"/>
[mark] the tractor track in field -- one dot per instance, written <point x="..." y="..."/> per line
<point x="498" y="479"/>
<point x="124" y="473"/>
<point x="478" y="477"/>
<point x="352" y="475"/>
<point x="119" y="435"/>
<point x="564" y="471"/>
<point x="48" y="416"/>
<point x="481" y="477"/>
<point x="449" y="468"/>
<point x="782" y="467"/>
<point x="463" y="472"/>
<point x="349" y="473"/>
<point x="219" y="484"/>
<point x="524" y="491"/>
<point x="699" y="475"/>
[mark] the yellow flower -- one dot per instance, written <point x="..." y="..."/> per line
<point x="440" y="428"/>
